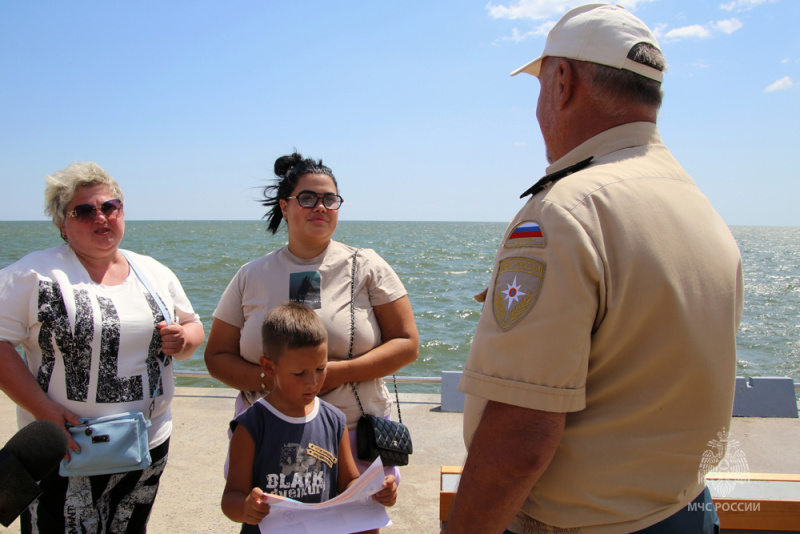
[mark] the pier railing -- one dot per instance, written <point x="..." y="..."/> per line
<point x="400" y="379"/>
<point x="754" y="397"/>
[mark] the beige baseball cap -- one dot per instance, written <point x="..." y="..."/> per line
<point x="598" y="33"/>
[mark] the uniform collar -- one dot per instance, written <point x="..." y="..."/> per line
<point x="614" y="139"/>
<point x="556" y="176"/>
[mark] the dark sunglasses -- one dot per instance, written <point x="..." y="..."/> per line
<point x="111" y="209"/>
<point x="309" y="199"/>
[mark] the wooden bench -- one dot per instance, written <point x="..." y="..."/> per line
<point x="766" y="502"/>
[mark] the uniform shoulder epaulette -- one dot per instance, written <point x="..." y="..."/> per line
<point x="556" y="176"/>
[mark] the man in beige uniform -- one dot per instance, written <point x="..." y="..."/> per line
<point x="605" y="357"/>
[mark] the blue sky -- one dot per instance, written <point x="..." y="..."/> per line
<point x="188" y="103"/>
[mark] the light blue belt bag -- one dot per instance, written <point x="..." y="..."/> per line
<point x="114" y="443"/>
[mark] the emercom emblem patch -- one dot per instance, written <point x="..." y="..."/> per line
<point x="516" y="289"/>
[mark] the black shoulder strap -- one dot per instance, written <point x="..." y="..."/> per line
<point x="556" y="176"/>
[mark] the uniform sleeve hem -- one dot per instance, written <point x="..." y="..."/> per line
<point x="545" y="398"/>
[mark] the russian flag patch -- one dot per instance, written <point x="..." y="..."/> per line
<point x="526" y="234"/>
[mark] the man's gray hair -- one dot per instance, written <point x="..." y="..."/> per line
<point x="619" y="86"/>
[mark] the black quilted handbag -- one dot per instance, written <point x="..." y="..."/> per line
<point x="377" y="436"/>
<point x="390" y="440"/>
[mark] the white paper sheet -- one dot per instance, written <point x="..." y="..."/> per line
<point x="352" y="511"/>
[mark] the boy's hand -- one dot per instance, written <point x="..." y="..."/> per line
<point x="255" y="507"/>
<point x="388" y="495"/>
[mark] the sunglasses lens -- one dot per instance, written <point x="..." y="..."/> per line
<point x="110" y="208"/>
<point x="84" y="212"/>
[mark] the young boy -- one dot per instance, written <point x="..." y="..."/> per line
<point x="291" y="443"/>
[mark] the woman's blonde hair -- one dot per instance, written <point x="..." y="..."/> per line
<point x="62" y="185"/>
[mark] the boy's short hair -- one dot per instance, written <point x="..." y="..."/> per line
<point x="291" y="326"/>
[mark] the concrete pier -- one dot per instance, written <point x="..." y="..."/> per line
<point x="189" y="498"/>
<point x="191" y="487"/>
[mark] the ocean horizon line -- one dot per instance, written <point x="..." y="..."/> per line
<point x="368" y="221"/>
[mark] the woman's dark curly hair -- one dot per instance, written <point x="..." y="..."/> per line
<point x="289" y="169"/>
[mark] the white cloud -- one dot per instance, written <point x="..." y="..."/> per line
<point x="539" y="31"/>
<point x="516" y="36"/>
<point x="698" y="31"/>
<point x="543" y="9"/>
<point x="548" y="10"/>
<point x="531" y="9"/>
<point x="780" y="85"/>
<point x="727" y="26"/>
<point x="660" y="29"/>
<point x="743" y="5"/>
<point x="695" y="31"/>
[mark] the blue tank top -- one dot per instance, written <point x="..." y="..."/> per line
<point x="295" y="457"/>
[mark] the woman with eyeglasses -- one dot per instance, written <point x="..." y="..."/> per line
<point x="315" y="270"/>
<point x="95" y="343"/>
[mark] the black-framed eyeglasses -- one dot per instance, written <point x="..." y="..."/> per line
<point x="310" y="199"/>
<point x="111" y="209"/>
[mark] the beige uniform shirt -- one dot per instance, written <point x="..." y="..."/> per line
<point x="616" y="296"/>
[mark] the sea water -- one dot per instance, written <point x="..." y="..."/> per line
<point x="443" y="265"/>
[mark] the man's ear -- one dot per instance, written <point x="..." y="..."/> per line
<point x="564" y="78"/>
